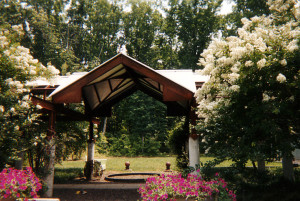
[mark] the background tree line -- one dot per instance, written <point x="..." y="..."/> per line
<point x="78" y="35"/>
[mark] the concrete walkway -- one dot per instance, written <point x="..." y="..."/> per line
<point x="97" y="192"/>
<point x="125" y="186"/>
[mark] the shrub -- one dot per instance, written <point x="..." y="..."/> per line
<point x="19" y="183"/>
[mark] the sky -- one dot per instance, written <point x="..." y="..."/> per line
<point x="226" y="7"/>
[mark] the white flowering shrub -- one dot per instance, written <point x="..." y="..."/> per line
<point x="251" y="101"/>
<point x="18" y="116"/>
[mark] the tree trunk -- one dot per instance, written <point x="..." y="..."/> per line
<point x="261" y="165"/>
<point x="50" y="151"/>
<point x="104" y="124"/>
<point x="287" y="166"/>
<point x="19" y="161"/>
<point x="49" y="179"/>
<point x="91" y="152"/>
<point x="254" y="165"/>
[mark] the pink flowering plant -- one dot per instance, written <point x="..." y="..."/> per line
<point x="172" y="186"/>
<point x="19" y="183"/>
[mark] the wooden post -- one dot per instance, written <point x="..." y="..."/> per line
<point x="91" y="151"/>
<point x="50" y="149"/>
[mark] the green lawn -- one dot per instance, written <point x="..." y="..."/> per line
<point x="137" y="164"/>
<point x="144" y="164"/>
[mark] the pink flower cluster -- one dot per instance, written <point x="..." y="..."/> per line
<point x="168" y="187"/>
<point x="19" y="183"/>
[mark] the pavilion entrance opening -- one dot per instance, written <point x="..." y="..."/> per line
<point x="138" y="126"/>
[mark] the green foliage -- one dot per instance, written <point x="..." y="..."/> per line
<point x="120" y="146"/>
<point x="197" y="21"/>
<point x="71" y="139"/>
<point x="178" y="137"/>
<point x="103" y="27"/>
<point x="241" y="9"/>
<point x="141" y="26"/>
<point x="138" y="127"/>
<point x="20" y="125"/>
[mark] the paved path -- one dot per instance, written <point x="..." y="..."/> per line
<point x="97" y="192"/>
<point x="125" y="186"/>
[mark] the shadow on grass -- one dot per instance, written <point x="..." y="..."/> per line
<point x="67" y="175"/>
<point x="250" y="185"/>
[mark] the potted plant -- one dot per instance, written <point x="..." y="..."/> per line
<point x="15" y="184"/>
<point x="174" y="187"/>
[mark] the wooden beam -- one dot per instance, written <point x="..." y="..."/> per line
<point x="73" y="93"/>
<point x="169" y="94"/>
<point x="58" y="108"/>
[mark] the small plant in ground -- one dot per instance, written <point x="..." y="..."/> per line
<point x="170" y="187"/>
<point x="19" y="183"/>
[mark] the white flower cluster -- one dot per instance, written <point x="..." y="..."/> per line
<point x="18" y="29"/>
<point x="281" y="78"/>
<point x="261" y="43"/>
<point x="23" y="60"/>
<point x="3" y="41"/>
<point x="16" y="86"/>
<point x="52" y="69"/>
<point x="2" y="109"/>
<point x="282" y="7"/>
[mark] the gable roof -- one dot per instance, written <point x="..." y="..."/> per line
<point x="120" y="77"/>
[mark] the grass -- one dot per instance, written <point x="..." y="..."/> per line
<point x="140" y="164"/>
<point x="68" y="170"/>
<point x="145" y="164"/>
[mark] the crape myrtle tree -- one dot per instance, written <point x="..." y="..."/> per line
<point x="20" y="126"/>
<point x="49" y="38"/>
<point x="250" y="104"/>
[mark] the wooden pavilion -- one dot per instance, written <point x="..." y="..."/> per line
<point x="106" y="85"/>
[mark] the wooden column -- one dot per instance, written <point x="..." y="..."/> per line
<point x="194" y="152"/>
<point x="50" y="149"/>
<point x="91" y="152"/>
